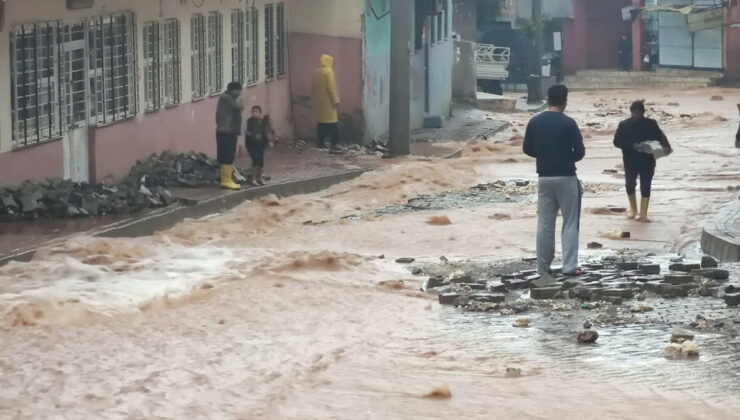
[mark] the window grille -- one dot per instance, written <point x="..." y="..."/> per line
<point x="198" y="55"/>
<point x="269" y="42"/>
<point x="252" y="45"/>
<point x="280" y="39"/>
<point x="238" y="46"/>
<point x="215" y="52"/>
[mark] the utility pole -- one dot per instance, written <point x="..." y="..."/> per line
<point x="400" y="94"/>
<point x="534" y="87"/>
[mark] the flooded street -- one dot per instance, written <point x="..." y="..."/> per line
<point x="278" y="309"/>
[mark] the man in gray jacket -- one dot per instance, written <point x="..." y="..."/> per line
<point x="228" y="127"/>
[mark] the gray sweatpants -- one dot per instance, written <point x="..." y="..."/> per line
<point x="558" y="193"/>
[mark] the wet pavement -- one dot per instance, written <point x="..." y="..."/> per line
<point x="262" y="313"/>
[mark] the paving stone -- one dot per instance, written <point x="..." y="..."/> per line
<point x="519" y="284"/>
<point x="448" y="298"/>
<point x="650" y="268"/>
<point x="526" y="273"/>
<point x="627" y="266"/>
<point x="677" y="279"/>
<point x="461" y="278"/>
<point x="545" y="292"/>
<point x="497" y="287"/>
<point x="673" y="291"/>
<point x="488" y="297"/>
<point x="617" y="292"/>
<point x="585" y="292"/>
<point x="653" y="286"/>
<point x="732" y="299"/>
<point x="433" y="282"/>
<point x="594" y="266"/>
<point x="571" y="283"/>
<point x="712" y="273"/>
<point x="512" y="276"/>
<point x="708" y="261"/>
<point x="474" y="286"/>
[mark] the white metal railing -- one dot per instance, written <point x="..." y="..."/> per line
<point x="492" y="62"/>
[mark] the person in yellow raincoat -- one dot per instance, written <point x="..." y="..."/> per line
<point x="326" y="102"/>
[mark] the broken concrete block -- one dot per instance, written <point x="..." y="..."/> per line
<point x="617" y="292"/>
<point x="708" y="261"/>
<point x="679" y="336"/>
<point x="670" y="291"/>
<point x="650" y="268"/>
<point x="545" y="292"/>
<point x="732" y="299"/>
<point x="497" y="288"/>
<point x="473" y="286"/>
<point x="712" y="273"/>
<point x="677" y="279"/>
<point x="405" y="260"/>
<point x="448" y="298"/>
<point x="519" y="284"/>
<point x="488" y="297"/>
<point x="627" y="266"/>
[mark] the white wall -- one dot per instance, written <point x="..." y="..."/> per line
<point x="30" y="11"/>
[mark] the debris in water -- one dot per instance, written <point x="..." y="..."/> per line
<point x="392" y="284"/>
<point x="522" y="322"/>
<point x="679" y="336"/>
<point x="513" y="372"/>
<point x="439" y="220"/>
<point x="442" y="392"/>
<point x="405" y="260"/>
<point x="717" y="98"/>
<point x="685" y="349"/>
<point x="587" y="325"/>
<point x="588" y="337"/>
<point x="499" y="216"/>
<point x="641" y="308"/>
<point x="594" y="245"/>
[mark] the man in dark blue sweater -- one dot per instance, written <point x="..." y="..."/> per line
<point x="555" y="140"/>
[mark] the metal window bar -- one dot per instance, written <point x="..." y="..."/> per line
<point x="199" y="58"/>
<point x="269" y="42"/>
<point x="252" y="43"/>
<point x="171" y="61"/>
<point x="280" y="39"/>
<point x="238" y="46"/>
<point x="152" y="65"/>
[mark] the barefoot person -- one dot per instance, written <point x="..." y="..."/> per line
<point x="555" y="140"/>
<point x="630" y="133"/>
<point x="228" y="127"/>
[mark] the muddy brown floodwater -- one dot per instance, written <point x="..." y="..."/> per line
<point x="276" y="309"/>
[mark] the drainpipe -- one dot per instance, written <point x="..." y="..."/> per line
<point x="399" y="125"/>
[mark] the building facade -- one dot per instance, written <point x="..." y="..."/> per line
<point x="93" y="86"/>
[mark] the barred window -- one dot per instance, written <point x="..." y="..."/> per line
<point x="113" y="67"/>
<point x="238" y="46"/>
<point x="252" y="44"/>
<point x="214" y="50"/>
<point x="171" y="62"/>
<point x="198" y="55"/>
<point x="280" y="39"/>
<point x="152" y="65"/>
<point x="35" y="85"/>
<point x="162" y="67"/>
<point x="269" y="42"/>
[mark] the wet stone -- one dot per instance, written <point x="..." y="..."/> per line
<point x="712" y="273"/>
<point x="732" y="299"/>
<point x="488" y="297"/>
<point x="677" y="279"/>
<point x="448" y="298"/>
<point x="650" y="268"/>
<point x="546" y="292"/>
<point x="671" y="291"/>
<point x="497" y="288"/>
<point x="679" y="336"/>
<point x="594" y="266"/>
<point x="571" y="283"/>
<point x="627" y="266"/>
<point x="587" y="337"/>
<point x="433" y="282"/>
<point x="518" y="284"/>
<point x="594" y="245"/>
<point x="708" y="261"/>
<point x="405" y="260"/>
<point x="617" y="292"/>
<point x="461" y="278"/>
<point x="473" y="286"/>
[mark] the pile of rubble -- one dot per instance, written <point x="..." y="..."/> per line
<point x="170" y="169"/>
<point x="610" y="280"/>
<point x="57" y="198"/>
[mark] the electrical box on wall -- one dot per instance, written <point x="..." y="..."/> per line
<point x="80" y="4"/>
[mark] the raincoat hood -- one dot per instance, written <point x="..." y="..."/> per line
<point x="326" y="61"/>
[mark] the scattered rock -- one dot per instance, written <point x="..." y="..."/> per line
<point x="732" y="299"/>
<point x="679" y="336"/>
<point x="708" y="261"/>
<point x="717" y="98"/>
<point x="513" y="372"/>
<point x="685" y="349"/>
<point x="442" y="392"/>
<point x="594" y="245"/>
<point x="522" y="322"/>
<point x="405" y="260"/>
<point x="649" y="268"/>
<point x="499" y="216"/>
<point x="587" y="325"/>
<point x="439" y="221"/>
<point x="678" y="279"/>
<point x="550" y="292"/>
<point x="587" y="337"/>
<point x="641" y="308"/>
<point x="448" y="298"/>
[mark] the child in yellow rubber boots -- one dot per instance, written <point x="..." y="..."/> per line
<point x="228" y="127"/>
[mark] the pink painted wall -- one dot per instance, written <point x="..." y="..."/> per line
<point x="732" y="44"/>
<point x="36" y="162"/>
<point x="305" y="50"/>
<point x="186" y="127"/>
<point x="592" y="38"/>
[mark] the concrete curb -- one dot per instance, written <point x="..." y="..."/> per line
<point x="721" y="235"/>
<point x="166" y="218"/>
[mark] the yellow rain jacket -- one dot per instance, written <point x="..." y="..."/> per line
<point x="325" y="98"/>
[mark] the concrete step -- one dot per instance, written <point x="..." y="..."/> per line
<point x="617" y="86"/>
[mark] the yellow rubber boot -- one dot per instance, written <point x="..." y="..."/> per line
<point x="644" y="209"/>
<point x="227" y="180"/>
<point x="633" y="206"/>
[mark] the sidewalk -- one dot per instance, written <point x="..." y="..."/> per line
<point x="721" y="236"/>
<point x="293" y="169"/>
